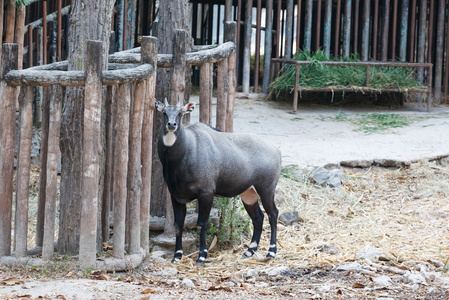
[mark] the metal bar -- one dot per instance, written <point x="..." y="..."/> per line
<point x="430" y="42"/>
<point x="439" y="51"/>
<point x="268" y="46"/>
<point x="247" y="47"/>
<point x="356" y="26"/>
<point x="298" y="25"/>
<point x="59" y="35"/>
<point x="288" y="30"/>
<point x="308" y="26"/>
<point x="421" y="44"/>
<point x="44" y="34"/>
<point x="318" y="25"/>
<point x="347" y="29"/>
<point x="257" y="58"/>
<point x="385" y="27"/>
<point x="365" y="30"/>
<point x="337" y="29"/>
<point x="404" y="29"/>
<point x="375" y="24"/>
<point x="367" y="76"/>
<point x="30" y="46"/>
<point x="393" y="38"/>
<point x="327" y="28"/>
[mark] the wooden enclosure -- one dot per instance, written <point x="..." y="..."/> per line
<point x="127" y="89"/>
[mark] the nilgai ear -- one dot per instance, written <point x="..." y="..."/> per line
<point x="188" y="108"/>
<point x="159" y="106"/>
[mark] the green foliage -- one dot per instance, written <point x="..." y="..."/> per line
<point x="316" y="75"/>
<point x="370" y="123"/>
<point x="234" y="222"/>
<point x="24" y="2"/>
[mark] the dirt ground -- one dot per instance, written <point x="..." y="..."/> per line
<point x="399" y="213"/>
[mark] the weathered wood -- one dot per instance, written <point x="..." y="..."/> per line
<point x="20" y="33"/>
<point x="2" y="11"/>
<point x="347" y="29"/>
<point x="403" y="32"/>
<point x="91" y="154"/>
<point x="205" y="93"/>
<point x="44" y="32"/>
<point x="50" y="18"/>
<point x="327" y="28"/>
<point x="134" y="168"/>
<point x="365" y="30"/>
<point x="288" y="31"/>
<point x="108" y="164"/>
<point x="295" y="90"/>
<point x="231" y="30"/>
<point x="222" y="72"/>
<point x="298" y="24"/>
<point x="308" y="26"/>
<point x="113" y="77"/>
<point x="55" y="103"/>
<point x="267" y="47"/>
<point x="375" y="28"/>
<point x="385" y="28"/>
<point x="177" y="72"/>
<point x="421" y="44"/>
<point x="318" y="26"/>
<point x="337" y="30"/>
<point x="121" y="156"/>
<point x="149" y="55"/>
<point x="247" y="47"/>
<point x="10" y="21"/>
<point x="439" y="53"/>
<point x="393" y="30"/>
<point x="7" y="126"/>
<point x="23" y="171"/>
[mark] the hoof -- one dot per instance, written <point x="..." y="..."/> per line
<point x="249" y="253"/>
<point x="200" y="261"/>
<point x="271" y="255"/>
<point x="175" y="260"/>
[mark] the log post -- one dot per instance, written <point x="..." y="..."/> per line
<point x="7" y="127"/>
<point x="178" y="70"/>
<point x="23" y="171"/>
<point x="148" y="55"/>
<point x="122" y="102"/>
<point x="205" y="93"/>
<point x="54" y="125"/>
<point x="91" y="154"/>
<point x="231" y="31"/>
<point x="221" y="94"/>
<point x="247" y="46"/>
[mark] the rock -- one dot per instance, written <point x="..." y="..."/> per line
<point x="230" y="284"/>
<point x="323" y="289"/>
<point x="319" y="176"/>
<point x="334" y="178"/>
<point x="289" y="217"/>
<point x="413" y="278"/>
<point x="274" y="271"/>
<point x="173" y="281"/>
<point x="368" y="253"/>
<point x="190" y="221"/>
<point x="261" y="285"/>
<point x="363" y="163"/>
<point x="436" y="263"/>
<point x="168" y="272"/>
<point x="157" y="223"/>
<point x="382" y="282"/>
<point x="350" y="267"/>
<point x="252" y="273"/>
<point x="168" y="242"/>
<point x="187" y="283"/>
<point x="329" y="249"/>
<point x="422" y="268"/>
<point x="251" y="280"/>
<point x="159" y="254"/>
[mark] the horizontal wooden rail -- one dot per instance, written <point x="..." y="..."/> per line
<point x="364" y="89"/>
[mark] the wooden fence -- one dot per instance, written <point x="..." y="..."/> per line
<point x="130" y="88"/>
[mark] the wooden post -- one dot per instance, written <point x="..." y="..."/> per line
<point x="44" y="31"/>
<point x="365" y="30"/>
<point x="347" y="29"/>
<point x="148" y="55"/>
<point x="375" y="28"/>
<point x="385" y="28"/>
<point x="205" y="93"/>
<point x="318" y="26"/>
<point x="108" y="164"/>
<point x="247" y="47"/>
<point x="268" y="46"/>
<point x="23" y="171"/>
<point x="337" y="30"/>
<point x="298" y="24"/>
<point x="295" y="91"/>
<point x="308" y="26"/>
<point x="230" y="36"/>
<point x="327" y="28"/>
<point x="439" y="53"/>
<point x="393" y="30"/>
<point x="59" y="25"/>
<point x="222" y="71"/>
<point x="122" y="102"/>
<point x="288" y="30"/>
<point x="30" y="46"/>
<point x="7" y="128"/>
<point x="52" y="171"/>
<point x="421" y="45"/>
<point x="91" y="154"/>
<point x="20" y="33"/>
<point x="404" y="29"/>
<point x="2" y="11"/>
<point x="10" y="21"/>
<point x="178" y="69"/>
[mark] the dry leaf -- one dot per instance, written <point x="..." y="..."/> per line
<point x="99" y="275"/>
<point x="220" y="287"/>
<point x="213" y="244"/>
<point x="12" y="281"/>
<point x="148" y="291"/>
<point x="107" y="246"/>
<point x="358" y="285"/>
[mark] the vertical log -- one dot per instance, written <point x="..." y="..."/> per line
<point x="178" y="70"/>
<point x="385" y="27"/>
<point x="308" y="25"/>
<point x="2" y="11"/>
<point x="318" y="25"/>
<point x="222" y="71"/>
<point x="257" y="58"/>
<point x="52" y="171"/>
<point x="288" y="30"/>
<point x="120" y="24"/>
<point x="10" y="21"/>
<point x="375" y="24"/>
<point x="327" y="28"/>
<point x="122" y="102"/>
<point x="7" y="128"/>
<point x="91" y="154"/>
<point x="421" y="44"/>
<point x="239" y="18"/>
<point x="130" y="23"/>
<point x="337" y="29"/>
<point x="365" y="30"/>
<point x="298" y="24"/>
<point x="430" y="41"/>
<point x="404" y="29"/>
<point x="30" y="46"/>
<point x="205" y="93"/>
<point x="53" y="41"/>
<point x="446" y="67"/>
<point x="44" y="32"/>
<point x="347" y="29"/>
<point x="230" y="36"/>
<point x="23" y="171"/>
<point x="412" y="32"/>
<point x="148" y="55"/>
<point x="295" y="90"/>
<point x="247" y="47"/>
<point x="267" y="47"/>
<point x="20" y="33"/>
<point x="356" y="26"/>
<point x="108" y="164"/>
<point x="393" y="31"/>
<point x="228" y="10"/>
<point x="59" y="24"/>
<point x="439" y="53"/>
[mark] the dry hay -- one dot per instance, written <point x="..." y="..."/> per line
<point x="403" y="212"/>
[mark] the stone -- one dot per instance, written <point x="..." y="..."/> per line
<point x="252" y="273"/>
<point x="187" y="283"/>
<point x="350" y="267"/>
<point x="168" y="272"/>
<point x="436" y="263"/>
<point x="329" y="249"/>
<point x="391" y="163"/>
<point x="274" y="271"/>
<point x="414" y="278"/>
<point x="289" y="217"/>
<point x="362" y="163"/>
<point x="319" y="176"/>
<point x="382" y="282"/>
<point x="334" y="178"/>
<point x="168" y="242"/>
<point x="323" y="289"/>
<point x="368" y="252"/>
<point x="157" y="223"/>
<point x="261" y="285"/>
<point x="173" y="281"/>
<point x="159" y="254"/>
